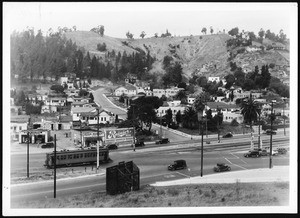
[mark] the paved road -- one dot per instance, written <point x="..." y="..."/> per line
<point x="153" y="168"/>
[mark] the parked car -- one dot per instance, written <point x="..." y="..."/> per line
<point x="177" y="165"/>
<point x="252" y="154"/>
<point x="281" y="150"/>
<point x="227" y="135"/>
<point x="48" y="145"/>
<point x="264" y="152"/>
<point x="274" y="153"/>
<point x="112" y="146"/>
<point x="163" y="141"/>
<point x="269" y="132"/>
<point x="221" y="167"/>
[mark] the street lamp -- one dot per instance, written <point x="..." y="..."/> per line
<point x="272" y="117"/>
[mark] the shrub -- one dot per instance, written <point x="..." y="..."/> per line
<point x="234" y="122"/>
<point x="173" y="191"/>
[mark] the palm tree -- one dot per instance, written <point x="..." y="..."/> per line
<point x="250" y="110"/>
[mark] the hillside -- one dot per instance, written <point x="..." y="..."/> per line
<point x="207" y="54"/>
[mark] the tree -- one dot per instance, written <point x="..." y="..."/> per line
<point x="83" y="92"/>
<point x="200" y="101"/>
<point x="249" y="110"/>
<point x="129" y="35"/>
<point x="234" y="31"/>
<point x="190" y="119"/>
<point x="266" y="76"/>
<point x="181" y="95"/>
<point x="211" y="30"/>
<point x="234" y="122"/>
<point x="144" y="110"/>
<point x="101" y="30"/>
<point x="167" y="61"/>
<point x="182" y="85"/>
<point x="155" y="35"/>
<point x="143" y="34"/>
<point x="57" y="88"/>
<point x="261" y="34"/>
<point x="91" y="96"/>
<point x="169" y="116"/>
<point x="178" y="117"/>
<point x="202" y="81"/>
<point x="204" y="30"/>
<point x="230" y="79"/>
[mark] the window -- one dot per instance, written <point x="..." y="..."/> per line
<point x="20" y="128"/>
<point x="70" y="156"/>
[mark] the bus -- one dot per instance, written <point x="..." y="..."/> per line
<point x="76" y="157"/>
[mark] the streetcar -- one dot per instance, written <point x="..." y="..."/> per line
<point x="76" y="157"/>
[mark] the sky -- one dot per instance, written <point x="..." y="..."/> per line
<point x="179" y="18"/>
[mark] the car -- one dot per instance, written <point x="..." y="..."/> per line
<point x="264" y="152"/>
<point x="222" y="167"/>
<point x="227" y="135"/>
<point x="177" y="165"/>
<point x="139" y="144"/>
<point x="269" y="132"/>
<point x="252" y="154"/>
<point x="163" y="141"/>
<point x="112" y="146"/>
<point x="281" y="150"/>
<point x="48" y="145"/>
<point x="274" y="153"/>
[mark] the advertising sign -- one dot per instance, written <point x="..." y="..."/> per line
<point x="118" y="133"/>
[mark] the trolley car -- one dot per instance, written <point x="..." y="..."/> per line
<point x="76" y="157"/>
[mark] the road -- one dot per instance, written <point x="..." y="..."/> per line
<point x="153" y="162"/>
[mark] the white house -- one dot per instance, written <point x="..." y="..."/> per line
<point x="56" y="101"/>
<point x="48" y="109"/>
<point x="190" y="100"/>
<point x="91" y="117"/>
<point x="17" y="124"/>
<point x="128" y="90"/>
<point x="174" y="106"/>
<point x="63" y="80"/>
<point x="229" y="116"/>
<point x="213" y="78"/>
<point x="76" y="112"/>
<point x="167" y="92"/>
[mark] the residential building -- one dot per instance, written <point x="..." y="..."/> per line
<point x="91" y="118"/>
<point x="128" y="90"/>
<point x="212" y="79"/>
<point x="56" y="101"/>
<point x="17" y="124"/>
<point x="191" y="100"/>
<point x="77" y="111"/>
<point x="174" y="106"/>
<point x="166" y="92"/>
<point x="48" y="109"/>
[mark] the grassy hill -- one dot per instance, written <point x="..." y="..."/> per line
<point x="191" y="51"/>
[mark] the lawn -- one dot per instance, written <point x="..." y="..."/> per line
<point x="202" y="195"/>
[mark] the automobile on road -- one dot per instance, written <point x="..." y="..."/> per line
<point x="281" y="150"/>
<point x="163" y="141"/>
<point x="112" y="146"/>
<point x="252" y="154"/>
<point x="227" y="135"/>
<point x="220" y="167"/>
<point x="177" y="165"/>
<point x="139" y="144"/>
<point x="48" y="145"/>
<point x="269" y="132"/>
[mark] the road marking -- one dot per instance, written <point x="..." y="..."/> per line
<point x="243" y="161"/>
<point x="234" y="155"/>
<point x="183" y="174"/>
<point x="228" y="160"/>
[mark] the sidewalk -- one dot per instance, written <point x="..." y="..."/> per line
<point x="276" y="174"/>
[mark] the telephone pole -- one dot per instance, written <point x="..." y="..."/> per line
<point x="98" y="140"/>
<point x="54" y="163"/>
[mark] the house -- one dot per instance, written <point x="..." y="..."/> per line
<point x="91" y="118"/>
<point x="48" y="109"/>
<point x="80" y="104"/>
<point x="15" y="110"/>
<point x="77" y="111"/>
<point x="212" y="79"/>
<point x="174" y="106"/>
<point x="17" y="124"/>
<point x="191" y="100"/>
<point x="166" y="92"/>
<point x="81" y="99"/>
<point x="128" y="90"/>
<point x="253" y="48"/>
<point x="64" y="80"/>
<point x="56" y="101"/>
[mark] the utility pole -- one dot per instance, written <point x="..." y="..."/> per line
<point x="133" y="115"/>
<point x="28" y="154"/>
<point x="259" y="112"/>
<point x="283" y="117"/>
<point x="98" y="140"/>
<point x="272" y="115"/>
<point x="202" y="146"/>
<point x="206" y="122"/>
<point x="54" y="163"/>
<point x="160" y="126"/>
<point x="218" y="119"/>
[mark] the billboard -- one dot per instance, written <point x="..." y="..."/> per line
<point x="118" y="134"/>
